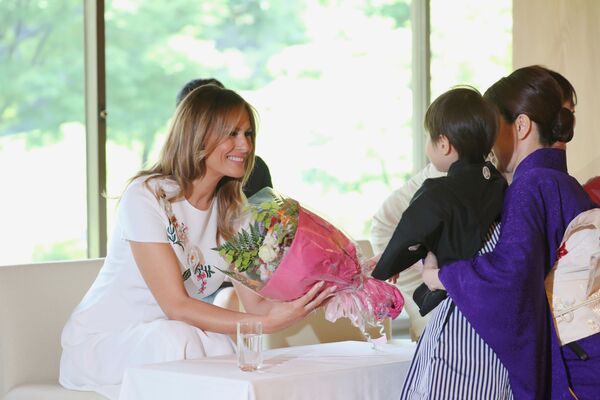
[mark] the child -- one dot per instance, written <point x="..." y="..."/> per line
<point x="450" y="216"/>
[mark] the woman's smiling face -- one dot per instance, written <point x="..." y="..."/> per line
<point x="230" y="155"/>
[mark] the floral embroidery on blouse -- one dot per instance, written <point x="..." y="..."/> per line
<point x="177" y="235"/>
<point x="202" y="273"/>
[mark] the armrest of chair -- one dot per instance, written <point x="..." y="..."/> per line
<point x="35" y="302"/>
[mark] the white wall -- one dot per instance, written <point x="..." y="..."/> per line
<point x="564" y="35"/>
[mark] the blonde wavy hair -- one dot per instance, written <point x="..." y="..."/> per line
<point x="203" y="119"/>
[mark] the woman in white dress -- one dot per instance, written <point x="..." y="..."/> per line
<point x="144" y="306"/>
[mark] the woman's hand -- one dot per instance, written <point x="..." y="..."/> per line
<point x="283" y="314"/>
<point x="430" y="272"/>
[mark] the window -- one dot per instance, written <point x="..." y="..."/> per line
<point x="330" y="79"/>
<point x="471" y="43"/>
<point x="42" y="132"/>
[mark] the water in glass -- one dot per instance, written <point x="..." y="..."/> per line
<point x="249" y="345"/>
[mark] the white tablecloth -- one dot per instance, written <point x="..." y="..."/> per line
<point x="343" y="370"/>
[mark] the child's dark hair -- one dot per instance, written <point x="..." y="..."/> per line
<point x="469" y="121"/>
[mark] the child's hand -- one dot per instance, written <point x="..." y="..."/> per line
<point x="430" y="261"/>
<point x="418" y="266"/>
<point x="394" y="278"/>
<point x="430" y="272"/>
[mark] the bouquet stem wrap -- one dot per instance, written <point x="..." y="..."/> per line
<point x="296" y="248"/>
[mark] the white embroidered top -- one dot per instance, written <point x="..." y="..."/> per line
<point x="120" y="298"/>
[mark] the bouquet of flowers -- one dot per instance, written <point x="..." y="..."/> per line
<point x="284" y="249"/>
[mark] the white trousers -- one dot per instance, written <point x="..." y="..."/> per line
<point x="98" y="363"/>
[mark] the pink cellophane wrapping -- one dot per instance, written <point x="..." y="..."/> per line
<point x="320" y="252"/>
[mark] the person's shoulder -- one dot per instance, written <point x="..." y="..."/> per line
<point x="537" y="183"/>
<point x="260" y="163"/>
<point x="428" y="172"/>
<point x="396" y="202"/>
<point x="390" y="211"/>
<point x="259" y="178"/>
<point x="433" y="186"/>
<point x="541" y="176"/>
<point x="260" y="171"/>
<point x="142" y="184"/>
<point x="150" y="186"/>
<point x="434" y="193"/>
<point x="137" y="186"/>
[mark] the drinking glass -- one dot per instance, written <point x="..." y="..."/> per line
<point x="249" y="345"/>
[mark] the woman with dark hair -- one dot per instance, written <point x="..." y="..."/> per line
<point x="568" y="91"/>
<point x="569" y="99"/>
<point x="502" y="293"/>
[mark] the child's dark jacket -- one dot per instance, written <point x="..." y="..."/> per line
<point x="449" y="216"/>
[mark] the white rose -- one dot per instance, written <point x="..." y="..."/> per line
<point x="270" y="240"/>
<point x="267" y="253"/>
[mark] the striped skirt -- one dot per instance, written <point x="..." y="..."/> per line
<point x="452" y="361"/>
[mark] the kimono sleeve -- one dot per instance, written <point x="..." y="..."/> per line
<point x="140" y="215"/>
<point x="502" y="293"/>
<point x="417" y="232"/>
<point x="389" y="214"/>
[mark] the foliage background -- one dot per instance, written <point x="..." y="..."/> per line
<point x="330" y="80"/>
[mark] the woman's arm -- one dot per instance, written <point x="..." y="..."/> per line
<point x="417" y="232"/>
<point x="160" y="269"/>
<point x="389" y="214"/>
<point x="255" y="304"/>
<point x="285" y="311"/>
<point x="252" y="302"/>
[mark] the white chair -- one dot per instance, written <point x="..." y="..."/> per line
<point x="35" y="302"/>
<point x="365" y="248"/>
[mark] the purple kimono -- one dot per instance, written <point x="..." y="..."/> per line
<point x="502" y="293"/>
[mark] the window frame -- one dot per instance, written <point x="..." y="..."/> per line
<point x="95" y="127"/>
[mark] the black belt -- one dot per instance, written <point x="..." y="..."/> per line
<point x="578" y="350"/>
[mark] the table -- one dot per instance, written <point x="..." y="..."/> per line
<point x="342" y="370"/>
